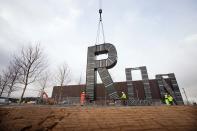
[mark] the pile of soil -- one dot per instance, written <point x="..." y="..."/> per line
<point x="158" y="118"/>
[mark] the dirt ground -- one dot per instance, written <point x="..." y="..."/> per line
<point x="149" y="118"/>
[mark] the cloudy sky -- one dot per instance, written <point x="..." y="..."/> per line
<point x="160" y="34"/>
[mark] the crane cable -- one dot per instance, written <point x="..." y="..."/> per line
<point x="100" y="23"/>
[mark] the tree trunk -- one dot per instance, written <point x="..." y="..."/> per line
<point x="23" y="93"/>
<point x="9" y="92"/>
<point x="2" y="90"/>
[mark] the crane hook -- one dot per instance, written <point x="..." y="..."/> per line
<point x="100" y="12"/>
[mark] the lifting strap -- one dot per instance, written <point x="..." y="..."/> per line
<point x="100" y="27"/>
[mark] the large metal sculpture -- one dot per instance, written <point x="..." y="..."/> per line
<point x="165" y="88"/>
<point x="145" y="81"/>
<point x="102" y="67"/>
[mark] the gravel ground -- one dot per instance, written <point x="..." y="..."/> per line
<point x="97" y="118"/>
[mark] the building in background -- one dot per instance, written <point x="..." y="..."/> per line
<point x="157" y="87"/>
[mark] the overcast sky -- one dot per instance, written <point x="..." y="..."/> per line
<point x="159" y="34"/>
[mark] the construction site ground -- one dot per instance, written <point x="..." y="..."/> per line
<point x="95" y="118"/>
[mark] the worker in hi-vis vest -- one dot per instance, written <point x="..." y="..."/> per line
<point x="166" y="99"/>
<point x="123" y="98"/>
<point x="82" y="98"/>
<point x="170" y="99"/>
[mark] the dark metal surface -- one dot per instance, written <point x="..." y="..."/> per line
<point x="166" y="88"/>
<point x="101" y="66"/>
<point x="145" y="81"/>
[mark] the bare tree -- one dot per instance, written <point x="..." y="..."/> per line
<point x="44" y="82"/>
<point x="31" y="62"/>
<point x="4" y="82"/>
<point x="1" y="82"/>
<point x="63" y="78"/>
<point x="13" y="71"/>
